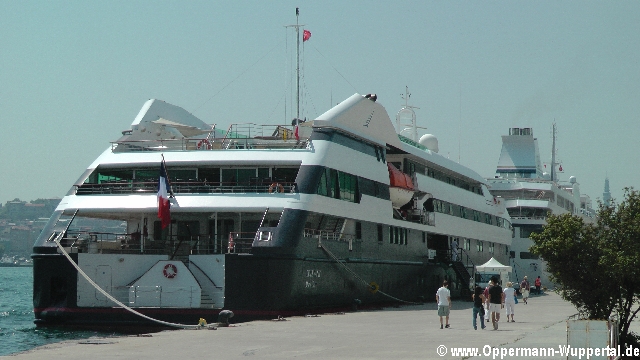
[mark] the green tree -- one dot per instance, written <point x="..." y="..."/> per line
<point x="597" y="265"/>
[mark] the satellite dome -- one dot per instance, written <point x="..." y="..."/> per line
<point x="546" y="176"/>
<point x="572" y="179"/>
<point x="430" y="142"/>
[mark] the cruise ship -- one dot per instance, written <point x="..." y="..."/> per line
<point x="531" y="191"/>
<point x="331" y="214"/>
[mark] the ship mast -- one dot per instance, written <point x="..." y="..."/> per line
<point x="297" y="27"/>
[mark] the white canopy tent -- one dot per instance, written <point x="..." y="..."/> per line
<point x="490" y="268"/>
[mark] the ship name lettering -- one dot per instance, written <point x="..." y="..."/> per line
<point x="313" y="273"/>
<point x="366" y="123"/>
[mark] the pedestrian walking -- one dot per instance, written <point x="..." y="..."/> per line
<point x="487" y="313"/>
<point x="443" y="297"/>
<point x="496" y="302"/>
<point x="524" y="289"/>
<point x="478" y="307"/>
<point x="510" y="300"/>
<point x="538" y="285"/>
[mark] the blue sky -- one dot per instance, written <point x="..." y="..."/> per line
<point x="74" y="74"/>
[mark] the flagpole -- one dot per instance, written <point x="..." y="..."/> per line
<point x="297" y="66"/>
<point x="168" y="180"/>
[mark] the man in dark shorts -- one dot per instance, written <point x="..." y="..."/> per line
<point x="496" y="301"/>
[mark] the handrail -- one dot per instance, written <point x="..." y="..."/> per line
<point x="473" y="265"/>
<point x="186" y="187"/>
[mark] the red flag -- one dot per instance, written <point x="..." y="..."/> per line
<point x="306" y="35"/>
<point x="164" y="213"/>
<point x="296" y="133"/>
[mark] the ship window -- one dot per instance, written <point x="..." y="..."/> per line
<point x="285" y="174"/>
<point x="491" y="247"/>
<point x="180" y="175"/>
<point x="263" y="173"/>
<point x="145" y="175"/>
<point x="348" y="186"/>
<point x="528" y="255"/>
<point x="238" y="176"/>
<point x="113" y="175"/>
<point x="467" y="244"/>
<point x="358" y="230"/>
<point x="322" y="185"/>
<point x="380" y="234"/>
<point x="211" y="175"/>
<point x="479" y="246"/>
<point x="527" y="230"/>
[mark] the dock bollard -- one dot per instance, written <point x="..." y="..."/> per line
<point x="223" y="318"/>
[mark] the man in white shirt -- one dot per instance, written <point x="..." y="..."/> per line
<point x="443" y="297"/>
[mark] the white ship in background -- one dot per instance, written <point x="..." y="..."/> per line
<point x="530" y="195"/>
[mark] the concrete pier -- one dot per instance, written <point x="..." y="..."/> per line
<point x="407" y="332"/>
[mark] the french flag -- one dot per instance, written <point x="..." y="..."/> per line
<point x="164" y="213"/>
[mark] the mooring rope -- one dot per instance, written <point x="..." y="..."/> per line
<point x="368" y="285"/>
<point x="64" y="252"/>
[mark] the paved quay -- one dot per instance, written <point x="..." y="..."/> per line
<point x="407" y="332"/>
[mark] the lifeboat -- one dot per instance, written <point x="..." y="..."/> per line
<point x="401" y="188"/>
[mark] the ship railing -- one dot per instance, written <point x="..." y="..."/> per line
<point x="528" y="217"/>
<point x="328" y="235"/>
<point x="240" y="242"/>
<point x="238" y="136"/>
<point x="468" y="263"/>
<point x="193" y="186"/>
<point x="324" y="235"/>
<point x="136" y="243"/>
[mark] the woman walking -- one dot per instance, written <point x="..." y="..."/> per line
<point x="509" y="300"/>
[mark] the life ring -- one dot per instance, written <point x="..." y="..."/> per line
<point x="170" y="271"/>
<point x="277" y="187"/>
<point x="204" y="144"/>
<point x="374" y="287"/>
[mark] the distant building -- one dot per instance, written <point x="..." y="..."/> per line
<point x="606" y="195"/>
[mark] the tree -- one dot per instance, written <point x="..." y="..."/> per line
<point x="597" y="265"/>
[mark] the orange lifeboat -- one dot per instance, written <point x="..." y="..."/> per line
<point x="401" y="187"/>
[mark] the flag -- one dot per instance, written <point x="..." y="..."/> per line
<point x="164" y="213"/>
<point x="296" y="133"/>
<point x="306" y="35"/>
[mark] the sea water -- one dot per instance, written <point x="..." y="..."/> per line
<point x="17" y="330"/>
